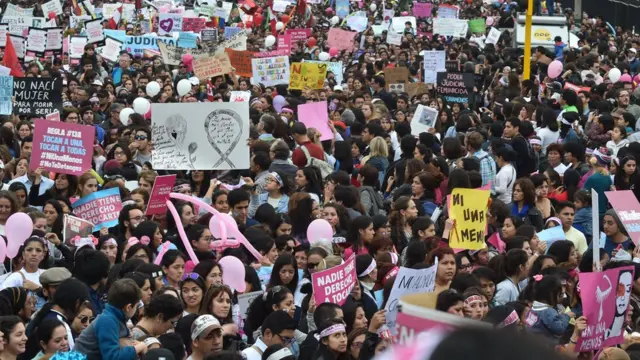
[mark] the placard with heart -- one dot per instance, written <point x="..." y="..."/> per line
<point x="168" y="23"/>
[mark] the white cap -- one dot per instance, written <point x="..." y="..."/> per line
<point x="194" y="81"/>
<point x="97" y="82"/>
<point x="337" y="88"/>
<point x="633" y="50"/>
<point x="203" y="325"/>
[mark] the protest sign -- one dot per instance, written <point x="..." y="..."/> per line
<point x="468" y="210"/>
<point x="194" y="24"/>
<point x="54" y="41"/>
<point x="299" y="34"/>
<point x="341" y="39"/>
<point x="493" y="37"/>
<point x="4" y="31"/>
<point x="605" y="302"/>
<point x="162" y="187"/>
<point x="335" y="284"/>
<point x="552" y="235"/>
<point x="168" y="23"/>
<point x="575" y="88"/>
<point x="101" y="208"/>
<point x="52" y="6"/>
<point x="414" y="89"/>
<point x="477" y="26"/>
<point x="76" y="46"/>
<point x="408" y="281"/>
<point x="19" y="45"/>
<point x="172" y="55"/>
<point x="394" y="38"/>
<point x="455" y="87"/>
<point x="434" y="62"/>
<point x="19" y="25"/>
<point x="272" y="53"/>
<point x="179" y="144"/>
<point x="95" y="32"/>
<point x="357" y="23"/>
<point x="187" y="40"/>
<point x="595" y="218"/>
<point x="284" y="42"/>
<point x="280" y="5"/>
<point x="206" y="67"/>
<point x="111" y="49"/>
<point x="423" y="119"/>
<point x="397" y="23"/>
<point x="136" y="45"/>
<point x="229" y="31"/>
<point x="37" y="96"/>
<point x="240" y="96"/>
<point x="6" y="92"/>
<point x="422" y="10"/>
<point x="450" y="27"/>
<point x="75" y="227"/>
<point x="245" y="300"/>
<point x="628" y="209"/>
<point x="396" y="76"/>
<point x="236" y="42"/>
<point x="316" y="116"/>
<point x="54" y="116"/>
<point x="37" y="41"/>
<point x="62" y="147"/>
<point x="448" y="12"/>
<point x="332" y="66"/>
<point x="15" y="10"/>
<point x="241" y="61"/>
<point x="270" y="71"/>
<point x="209" y="36"/>
<point x="307" y="75"/>
<point x="342" y="8"/>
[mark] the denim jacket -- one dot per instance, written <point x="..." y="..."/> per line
<point x="583" y="222"/>
<point x="257" y="200"/>
<point x="546" y="320"/>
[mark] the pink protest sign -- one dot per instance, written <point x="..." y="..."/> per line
<point x="335" y="284"/>
<point x="316" y="116"/>
<point x="159" y="194"/>
<point x="54" y="116"/>
<point x="272" y="53"/>
<point x="284" y="42"/>
<point x="100" y="208"/>
<point x="605" y="302"/>
<point x="422" y="9"/>
<point x="193" y="24"/>
<point x="298" y="34"/>
<point x="341" y="39"/>
<point x="62" y="147"/>
<point x="628" y="209"/>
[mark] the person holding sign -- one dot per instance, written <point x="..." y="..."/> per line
<point x="544" y="318"/>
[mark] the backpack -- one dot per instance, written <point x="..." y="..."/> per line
<point x="532" y="162"/>
<point x="323" y="165"/>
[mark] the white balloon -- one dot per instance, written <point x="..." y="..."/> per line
<point x="141" y="105"/>
<point x="614" y="75"/>
<point x="269" y="41"/>
<point x="323" y="56"/>
<point x="279" y="25"/>
<point x="335" y="20"/>
<point x="124" y="115"/>
<point x="183" y="88"/>
<point x="153" y="88"/>
<point x="373" y="7"/>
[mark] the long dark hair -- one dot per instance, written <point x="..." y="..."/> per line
<point x="620" y="179"/>
<point x="262" y="306"/>
<point x="275" y="280"/>
<point x="57" y="225"/>
<point x="570" y="181"/>
<point x="353" y="235"/>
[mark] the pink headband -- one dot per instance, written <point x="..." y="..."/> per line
<point x="286" y="110"/>
<point x="511" y="319"/>
<point x="553" y="219"/>
<point x="332" y="330"/>
<point x="472" y="299"/>
<point x="143" y="240"/>
<point x="535" y="142"/>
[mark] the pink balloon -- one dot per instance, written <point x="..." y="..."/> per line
<point x="489" y="21"/>
<point x="319" y="229"/>
<point x="233" y="273"/>
<point x="219" y="231"/>
<point x="183" y="235"/>
<point x="405" y="13"/>
<point x="555" y="69"/>
<point x="334" y="51"/>
<point x="18" y="228"/>
<point x="625" y="78"/>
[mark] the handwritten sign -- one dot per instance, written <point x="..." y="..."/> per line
<point x="37" y="96"/>
<point x="335" y="284"/>
<point x="209" y="36"/>
<point x="101" y="208"/>
<point x="181" y="144"/>
<point x="455" y="87"/>
<point x="37" y="41"/>
<point x="307" y="75"/>
<point x="450" y="27"/>
<point x="628" y="209"/>
<point x="394" y="38"/>
<point x="62" y="147"/>
<point x="605" y="302"/>
<point x="341" y="39"/>
<point x="468" y="210"/>
<point x="493" y="37"/>
<point x="334" y="67"/>
<point x="95" y="31"/>
<point x="162" y="187"/>
<point x="111" y="49"/>
<point x="447" y="12"/>
<point x="168" y="23"/>
<point x="54" y="41"/>
<point x="52" y="6"/>
<point x="19" y="45"/>
<point x="298" y="34"/>
<point x="74" y="226"/>
<point x="172" y="55"/>
<point x="194" y="24"/>
<point x="434" y="62"/>
<point x="422" y="10"/>
<point x="6" y="92"/>
<point x="206" y="67"/>
<point x="241" y="61"/>
<point x="408" y="281"/>
<point x="271" y="71"/>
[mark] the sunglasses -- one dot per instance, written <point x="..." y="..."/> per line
<point x="140" y="137"/>
<point x="311" y="265"/>
<point x="192" y="276"/>
<point x="86" y="319"/>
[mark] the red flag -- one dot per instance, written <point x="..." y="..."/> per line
<point x="302" y="7"/>
<point x="114" y="21"/>
<point x="10" y="59"/>
<point x="210" y="91"/>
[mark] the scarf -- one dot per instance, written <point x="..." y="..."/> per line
<point x="522" y="213"/>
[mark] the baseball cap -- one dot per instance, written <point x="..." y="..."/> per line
<point x="203" y="325"/>
<point x="54" y="276"/>
<point x="632" y="50"/>
<point x="97" y="82"/>
<point x="337" y="88"/>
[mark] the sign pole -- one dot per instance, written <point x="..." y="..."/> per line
<point x="527" y="41"/>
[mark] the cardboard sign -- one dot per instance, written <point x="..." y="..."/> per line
<point x="397" y="75"/>
<point x="19" y="25"/>
<point x="316" y="116"/>
<point x="37" y="96"/>
<point x="414" y="89"/>
<point x="162" y="187"/>
<point x="241" y="61"/>
<point x="73" y="227"/>
<point x="62" y="147"/>
<point x="6" y="92"/>
<point x="468" y="210"/>
<point x="206" y="67"/>
<point x="195" y="24"/>
<point x="628" y="209"/>
<point x="455" y="87"/>
<point x="423" y="119"/>
<point x="408" y="281"/>
<point x="307" y="76"/>
<point x="335" y="284"/>
<point x="605" y="302"/>
<point x="270" y="71"/>
<point x="101" y="208"/>
<point x="340" y="39"/>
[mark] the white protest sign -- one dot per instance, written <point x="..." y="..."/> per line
<point x="37" y="41"/>
<point x="245" y="300"/>
<point x="408" y="281"/>
<point x="423" y="119"/>
<point x="95" y="32"/>
<point x="168" y="23"/>
<point x="240" y="96"/>
<point x="397" y="23"/>
<point x="74" y="21"/>
<point x="54" y="40"/>
<point x="129" y="12"/>
<point x="434" y="61"/>
<point x="237" y="42"/>
<point x="280" y="5"/>
<point x="52" y="6"/>
<point x="109" y="10"/>
<point x="111" y="49"/>
<point x="19" y="45"/>
<point x="450" y="27"/>
<point x="76" y="46"/>
<point x="4" y="31"/>
<point x="357" y="23"/>
<point x="493" y="37"/>
<point x="394" y="38"/>
<point x="19" y="25"/>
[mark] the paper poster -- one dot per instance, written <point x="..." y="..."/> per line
<point x="4" y="31"/>
<point x="334" y="67"/>
<point x="316" y="116"/>
<point x="19" y="25"/>
<point x="230" y="31"/>
<point x="477" y="26"/>
<point x="237" y="42"/>
<point x="95" y="32"/>
<point x="208" y="36"/>
<point x="37" y="41"/>
<point x="129" y="12"/>
<point x="15" y="10"/>
<point x="455" y="87"/>
<point x="628" y="209"/>
<point x="357" y="23"/>
<point x="408" y="281"/>
<point x="397" y="23"/>
<point x="284" y="42"/>
<point x="195" y="24"/>
<point x="335" y="284"/>
<point x="172" y="55"/>
<point x="422" y="10"/>
<point x="206" y="67"/>
<point x="37" y="96"/>
<point x="111" y="49"/>
<point x="74" y="228"/>
<point x="493" y="37"/>
<point x="109" y="10"/>
<point x="54" y="40"/>
<point x="168" y="23"/>
<point x="240" y="96"/>
<point x="450" y="27"/>
<point x="52" y="6"/>
<point x="245" y="300"/>
<point x="62" y="147"/>
<point x="468" y="210"/>
<point x="270" y="71"/>
<point x="307" y="75"/>
<point x="241" y="61"/>
<point x="605" y="302"/>
<point x="200" y="136"/>
<point x="394" y="38"/>
<point x="76" y="46"/>
<point x="552" y="235"/>
<point x="162" y="187"/>
<point x="298" y="34"/>
<point x="101" y="208"/>
<point x="19" y="45"/>
<point x="448" y="12"/>
<point x="423" y="119"/>
<point x="280" y="5"/>
<point x="6" y="92"/>
<point x="434" y="61"/>
<point x="341" y="39"/>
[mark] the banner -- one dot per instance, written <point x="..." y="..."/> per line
<point x="423" y="119"/>
<point x="396" y="78"/>
<point x="340" y="39"/>
<point x="469" y="212"/>
<point x="628" y="209"/>
<point x="181" y="144"/>
<point x="75" y="227"/>
<point x="450" y="27"/>
<point x="408" y="281"/>
<point x="168" y="23"/>
<point x="605" y="302"/>
<point x="62" y="147"/>
<point x="455" y="87"/>
<point x="206" y="67"/>
<point x="270" y="71"/>
<point x="37" y="96"/>
<point x="101" y="208"/>
<point x="241" y="61"/>
<point x="162" y="187"/>
<point x="335" y="284"/>
<point x="54" y="40"/>
<point x="6" y="92"/>
<point x="307" y="76"/>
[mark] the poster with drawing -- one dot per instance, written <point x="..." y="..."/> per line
<point x="605" y="300"/>
<point x="212" y="137"/>
<point x="423" y="119"/>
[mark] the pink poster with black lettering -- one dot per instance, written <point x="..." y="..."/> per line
<point x="62" y="147"/>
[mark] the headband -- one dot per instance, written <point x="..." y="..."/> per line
<point x="332" y="330"/>
<point x="394" y="258"/>
<point x="144" y="240"/>
<point x="472" y="299"/>
<point x="535" y="142"/>
<point x="110" y="241"/>
<point x="255" y="101"/>
<point x="182" y="187"/>
<point x="511" y="319"/>
<point x="553" y="219"/>
<point x="286" y="109"/>
<point x="280" y="354"/>
<point x="369" y="269"/>
<point x="277" y="177"/>
<point x="128" y="202"/>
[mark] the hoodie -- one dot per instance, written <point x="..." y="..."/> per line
<point x="101" y="340"/>
<point x="546" y="320"/>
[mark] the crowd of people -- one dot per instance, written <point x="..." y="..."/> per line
<point x="536" y="143"/>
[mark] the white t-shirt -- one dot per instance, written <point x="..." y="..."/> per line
<point x="16" y="279"/>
